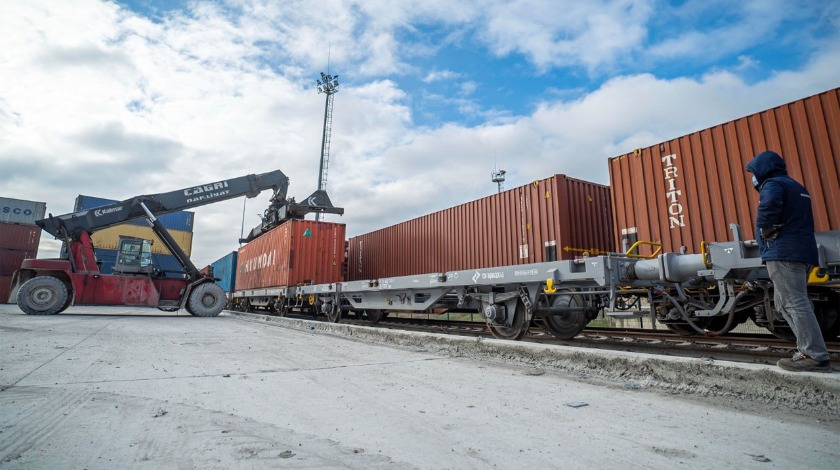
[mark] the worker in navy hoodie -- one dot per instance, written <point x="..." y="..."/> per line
<point x="785" y="234"/>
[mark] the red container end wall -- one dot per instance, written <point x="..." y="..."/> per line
<point x="297" y="252"/>
<point x="555" y="218"/>
<point x="10" y="260"/>
<point x="19" y="237"/>
<point x="5" y="288"/>
<point x="688" y="190"/>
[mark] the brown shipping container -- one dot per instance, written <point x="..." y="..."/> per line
<point x="5" y="288"/>
<point x="689" y="189"/>
<point x="10" y="260"/>
<point x="297" y="252"/>
<point x="19" y="237"/>
<point x="551" y="219"/>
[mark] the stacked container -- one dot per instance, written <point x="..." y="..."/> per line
<point x="19" y="237"/>
<point x="552" y="219"/>
<point x="296" y="252"/>
<point x="688" y="190"/>
<point x="106" y="241"/>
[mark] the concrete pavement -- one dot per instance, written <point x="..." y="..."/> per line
<point x="136" y="388"/>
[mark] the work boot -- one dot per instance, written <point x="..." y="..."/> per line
<point x="802" y="363"/>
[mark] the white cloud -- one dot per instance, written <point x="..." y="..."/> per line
<point x="440" y="75"/>
<point x="467" y="88"/>
<point x="593" y="34"/>
<point x="97" y="100"/>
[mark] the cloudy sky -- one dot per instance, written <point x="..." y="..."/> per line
<point x="117" y="99"/>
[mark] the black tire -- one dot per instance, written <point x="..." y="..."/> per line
<point x="43" y="295"/>
<point x="206" y="300"/>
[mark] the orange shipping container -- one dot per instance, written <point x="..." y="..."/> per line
<point x="297" y="252"/>
<point x="551" y="219"/>
<point x="689" y="189"/>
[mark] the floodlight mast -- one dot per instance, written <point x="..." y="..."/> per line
<point x="328" y="85"/>
<point x="498" y="177"/>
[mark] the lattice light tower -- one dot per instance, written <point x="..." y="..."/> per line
<point x="498" y="177"/>
<point x="328" y="85"/>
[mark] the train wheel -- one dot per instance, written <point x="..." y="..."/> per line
<point x="374" y="315"/>
<point x="566" y="325"/>
<point x="334" y="314"/>
<point x="709" y="323"/>
<point x="682" y="329"/>
<point x="517" y="329"/>
<point x="43" y="295"/>
<point x="282" y="309"/>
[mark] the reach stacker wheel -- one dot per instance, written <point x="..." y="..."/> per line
<point x="43" y="295"/>
<point x="206" y="300"/>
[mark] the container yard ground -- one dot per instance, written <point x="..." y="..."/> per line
<point x="135" y="388"/>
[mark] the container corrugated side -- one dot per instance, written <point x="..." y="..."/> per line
<point x="181" y="220"/>
<point x="109" y="238"/>
<point x="296" y="252"/>
<point x="20" y="211"/>
<point x="166" y="263"/>
<point x="224" y="269"/>
<point x="5" y="288"/>
<point x="551" y="219"/>
<point x="10" y="260"/>
<point x="688" y="190"/>
<point x="19" y="236"/>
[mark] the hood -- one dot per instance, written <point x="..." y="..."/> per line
<point x="765" y="165"/>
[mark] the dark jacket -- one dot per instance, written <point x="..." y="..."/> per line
<point x="785" y="222"/>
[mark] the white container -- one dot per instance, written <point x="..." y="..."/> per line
<point x="18" y="211"/>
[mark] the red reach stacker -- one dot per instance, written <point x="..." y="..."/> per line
<point x="49" y="286"/>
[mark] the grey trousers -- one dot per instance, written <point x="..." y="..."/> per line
<point x="790" y="281"/>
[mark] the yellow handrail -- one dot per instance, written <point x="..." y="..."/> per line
<point x="641" y="242"/>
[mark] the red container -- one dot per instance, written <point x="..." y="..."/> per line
<point x="19" y="237"/>
<point x="555" y="218"/>
<point x="689" y="189"/>
<point x="10" y="260"/>
<point x="5" y="288"/>
<point x="297" y="252"/>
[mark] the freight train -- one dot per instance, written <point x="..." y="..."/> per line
<point x="708" y="293"/>
<point x="548" y="252"/>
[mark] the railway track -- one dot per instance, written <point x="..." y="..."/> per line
<point x="747" y="348"/>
